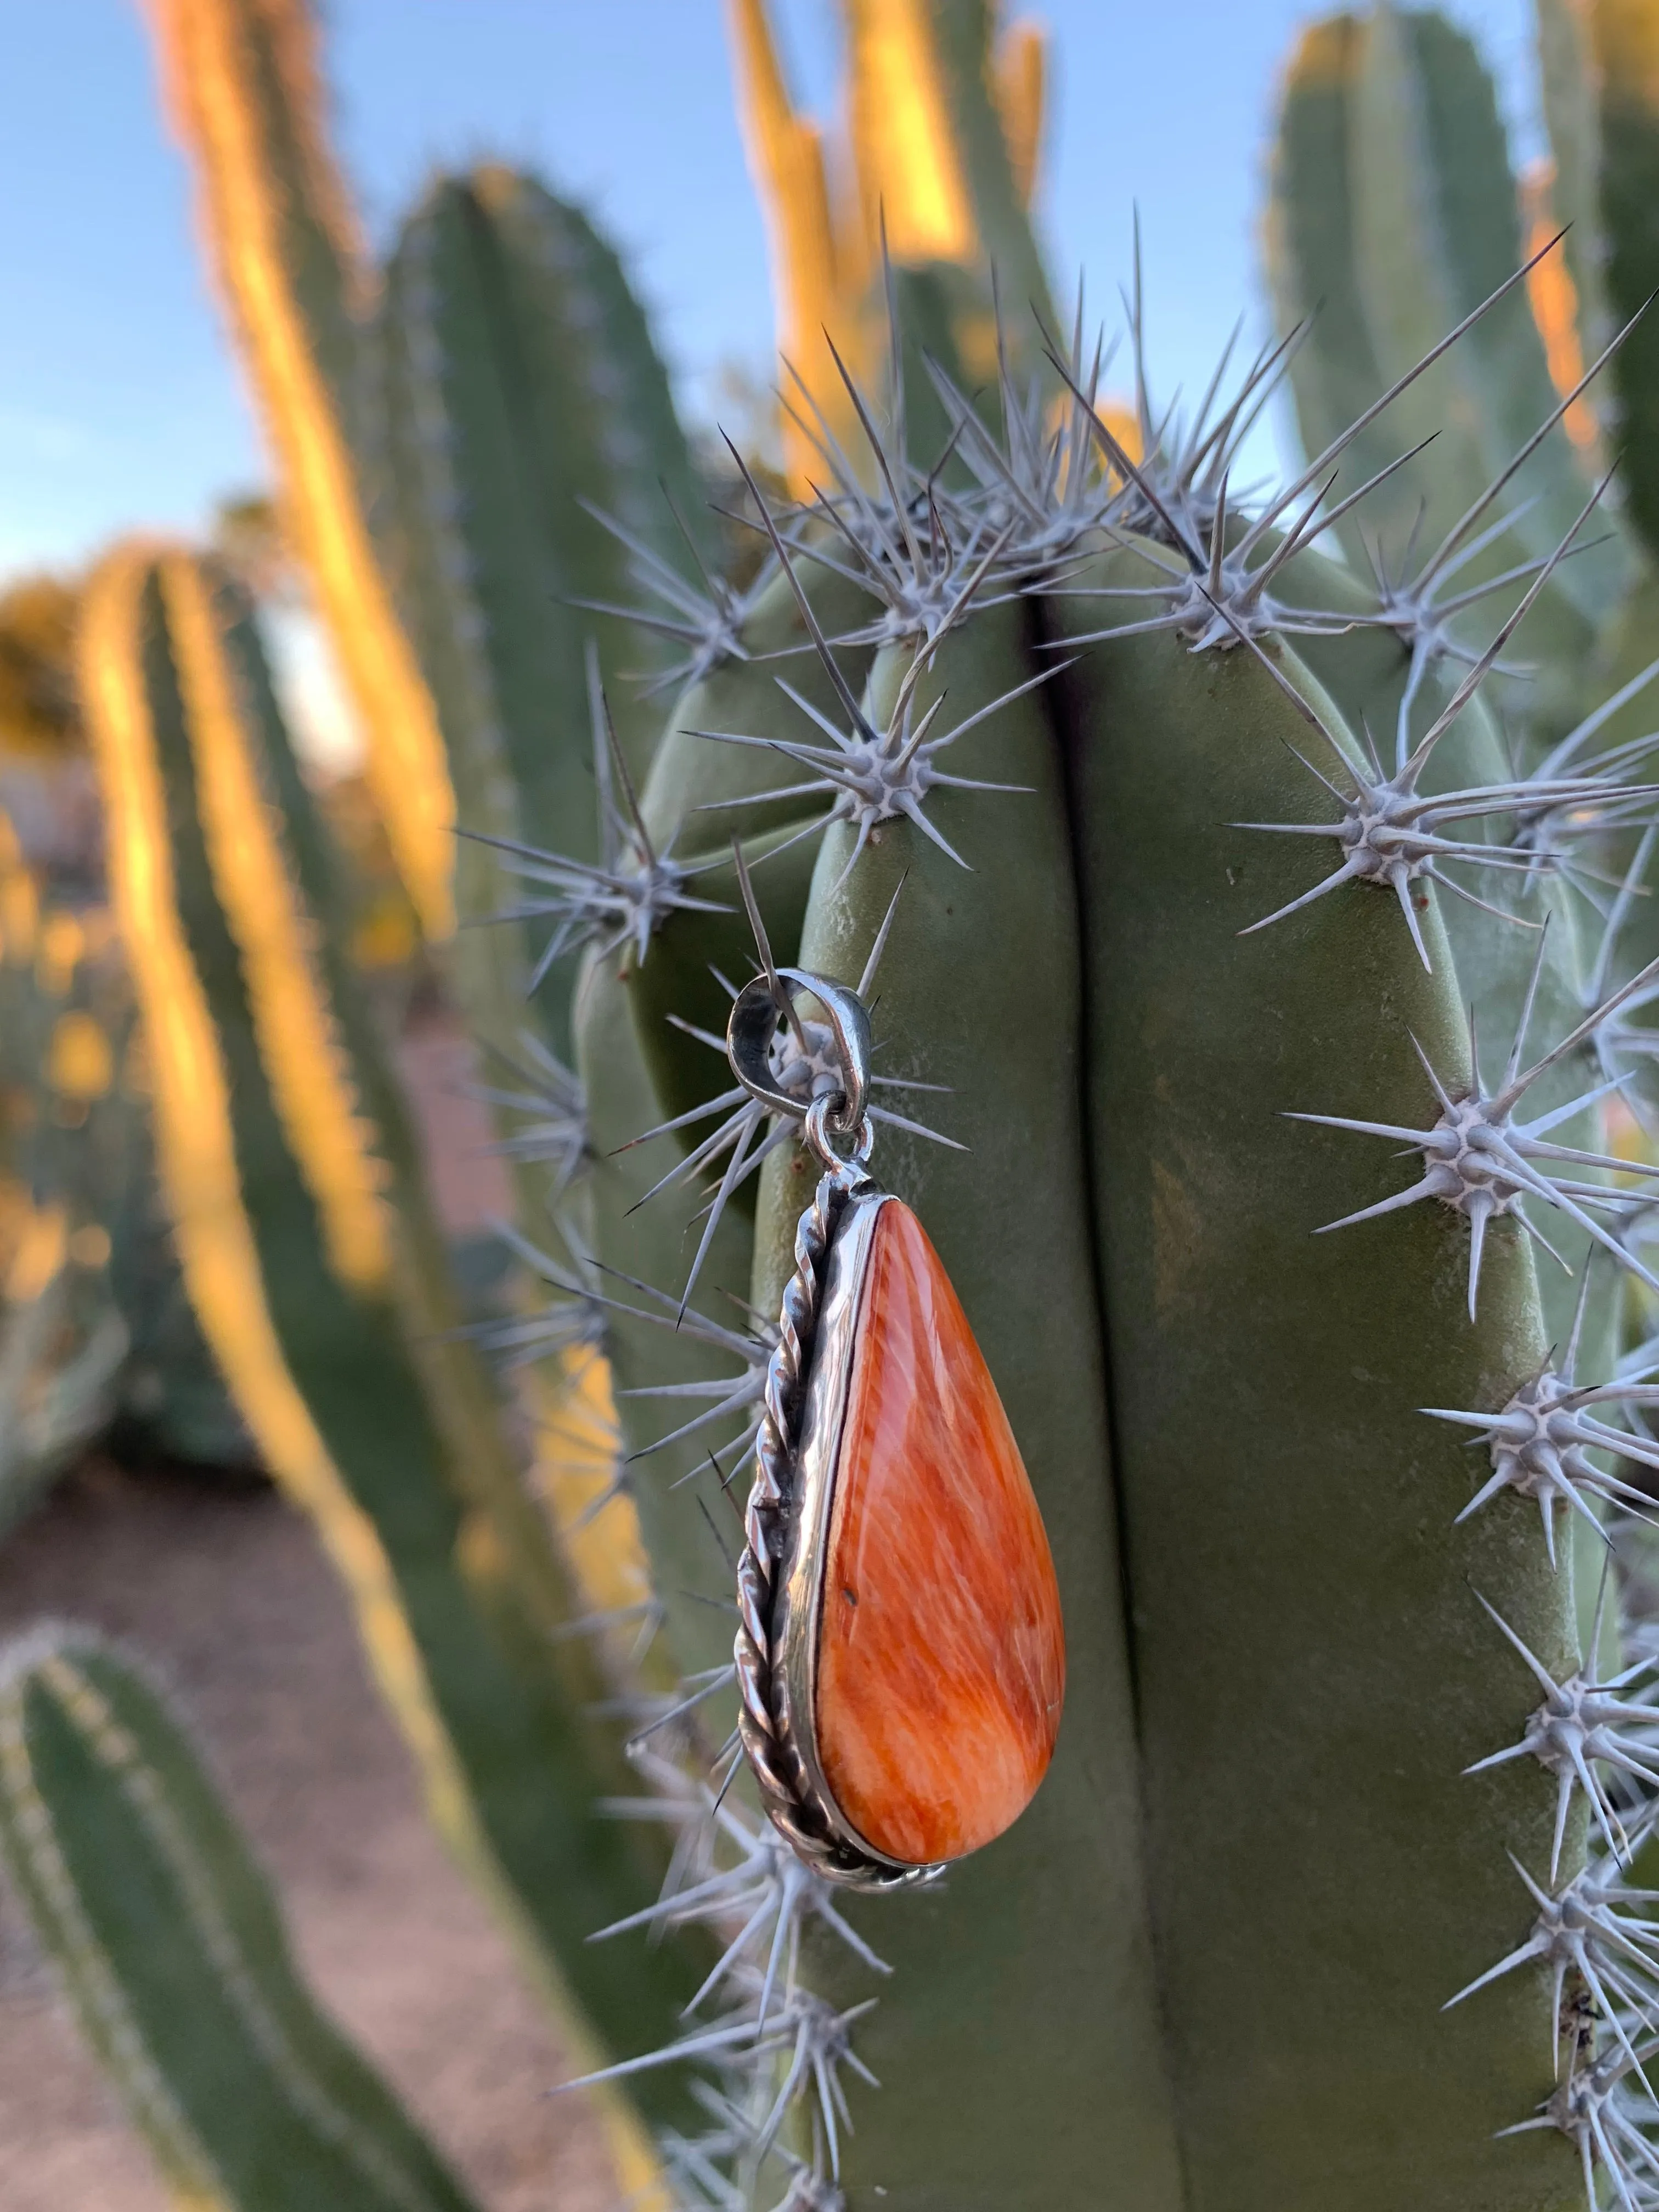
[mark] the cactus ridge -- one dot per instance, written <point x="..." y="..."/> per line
<point x="876" y="772"/>
<point x="1042" y="479"/>
<point x="1391" y="833"/>
<point x="920" y="521"/>
<point x="1538" y="1441"/>
<point x="1592" y="2110"/>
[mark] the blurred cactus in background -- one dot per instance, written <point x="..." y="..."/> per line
<point x="97" y="1342"/>
<point x="929" y="195"/>
<point x="1181" y="844"/>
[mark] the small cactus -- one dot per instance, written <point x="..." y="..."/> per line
<point x="171" y="1949"/>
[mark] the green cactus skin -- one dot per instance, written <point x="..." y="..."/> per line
<point x="522" y="380"/>
<point x="459" y="1586"/>
<point x="172" y="1949"/>
<point x="1286" y="1513"/>
<point x="1023" y="2009"/>
<point x="517" y="380"/>
<point x="1439" y="234"/>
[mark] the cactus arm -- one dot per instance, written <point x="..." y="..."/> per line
<point x="421" y="523"/>
<point x="1020" y="80"/>
<point x="1261" y="1373"/>
<point x="1624" y="44"/>
<point x="785" y="160"/>
<point x="1439" y="234"/>
<point x="170" y="1945"/>
<point x="376" y="1430"/>
<point x="1024" y="1987"/>
<point x="519" y="381"/>
<point x="597" y="424"/>
<point x="245" y="99"/>
<point x="1335" y="372"/>
<point x="1567" y="81"/>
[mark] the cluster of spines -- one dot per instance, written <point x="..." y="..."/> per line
<point x="928" y="556"/>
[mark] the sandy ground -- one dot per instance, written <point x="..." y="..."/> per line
<point x="225" y="1589"/>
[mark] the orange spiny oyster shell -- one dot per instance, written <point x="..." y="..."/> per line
<point x="941" y="1656"/>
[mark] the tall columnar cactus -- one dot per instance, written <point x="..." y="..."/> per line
<point x="531" y="459"/>
<point x="241" y="77"/>
<point x="1393" y="212"/>
<point x="313" y="1261"/>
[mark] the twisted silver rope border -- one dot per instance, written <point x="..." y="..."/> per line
<point x="786" y="1794"/>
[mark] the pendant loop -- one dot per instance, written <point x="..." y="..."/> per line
<point x="749" y="1035"/>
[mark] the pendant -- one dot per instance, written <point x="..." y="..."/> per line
<point x="900" y="1657"/>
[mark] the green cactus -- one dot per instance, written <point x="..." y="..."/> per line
<point x="311" y="1256"/>
<point x="1248" y="1373"/>
<point x="172" y="1952"/>
<point x="1185" y="868"/>
<point x="98" y="1343"/>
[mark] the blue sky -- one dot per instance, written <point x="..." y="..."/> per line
<point x="121" y="403"/>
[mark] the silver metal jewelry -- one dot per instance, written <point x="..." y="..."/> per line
<point x="787" y="1526"/>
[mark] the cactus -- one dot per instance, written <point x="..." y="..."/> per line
<point x="145" y="1892"/>
<point x="98" y="1343"/>
<point x="528" y="439"/>
<point x="1394" y="211"/>
<point x="945" y="126"/>
<point x="310" y="1257"/>
<point x="1185" y="868"/>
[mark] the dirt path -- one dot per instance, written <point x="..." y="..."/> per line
<point x="226" y="1590"/>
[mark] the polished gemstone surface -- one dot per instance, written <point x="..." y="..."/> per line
<point x="941" y="1657"/>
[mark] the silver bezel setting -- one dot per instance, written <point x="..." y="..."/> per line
<point x="780" y="1575"/>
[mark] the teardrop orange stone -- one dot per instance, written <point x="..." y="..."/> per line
<point x="941" y="1660"/>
